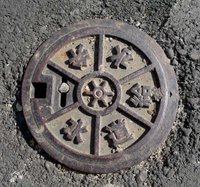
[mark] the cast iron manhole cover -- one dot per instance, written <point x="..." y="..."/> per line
<point x="99" y="96"/>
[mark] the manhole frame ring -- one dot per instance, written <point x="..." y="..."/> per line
<point x="172" y="101"/>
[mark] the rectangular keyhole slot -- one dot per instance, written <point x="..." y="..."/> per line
<point x="40" y="90"/>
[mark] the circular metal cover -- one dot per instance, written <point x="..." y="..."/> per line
<point x="99" y="96"/>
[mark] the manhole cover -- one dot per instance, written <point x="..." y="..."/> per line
<point x="99" y="96"/>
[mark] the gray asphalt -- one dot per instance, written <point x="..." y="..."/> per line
<point x="175" y="25"/>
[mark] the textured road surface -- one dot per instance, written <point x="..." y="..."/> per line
<point x="175" y="25"/>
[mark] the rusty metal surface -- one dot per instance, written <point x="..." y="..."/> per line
<point x="99" y="96"/>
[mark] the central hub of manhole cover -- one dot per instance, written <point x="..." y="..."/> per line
<point x="99" y="96"/>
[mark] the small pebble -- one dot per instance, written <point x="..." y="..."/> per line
<point x="182" y="52"/>
<point x="194" y="54"/>
<point x="187" y="132"/>
<point x="141" y="177"/>
<point x="170" y="53"/>
<point x="43" y="29"/>
<point x="170" y="173"/>
<point x="63" y="22"/>
<point x="174" y="62"/>
<point x="18" y="107"/>
<point x="47" y="166"/>
<point x="186" y="140"/>
<point x="165" y="170"/>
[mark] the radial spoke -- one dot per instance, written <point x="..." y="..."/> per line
<point x="96" y="135"/>
<point x="94" y="84"/>
<point x="109" y="94"/>
<point x="137" y="73"/>
<point x="104" y="84"/>
<point x="94" y="102"/>
<point x="100" y="52"/>
<point x="104" y="102"/>
<point x="63" y="111"/>
<point x="87" y="93"/>
<point x="135" y="116"/>
<point x="57" y="68"/>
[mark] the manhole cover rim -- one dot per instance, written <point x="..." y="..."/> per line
<point x="97" y="167"/>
